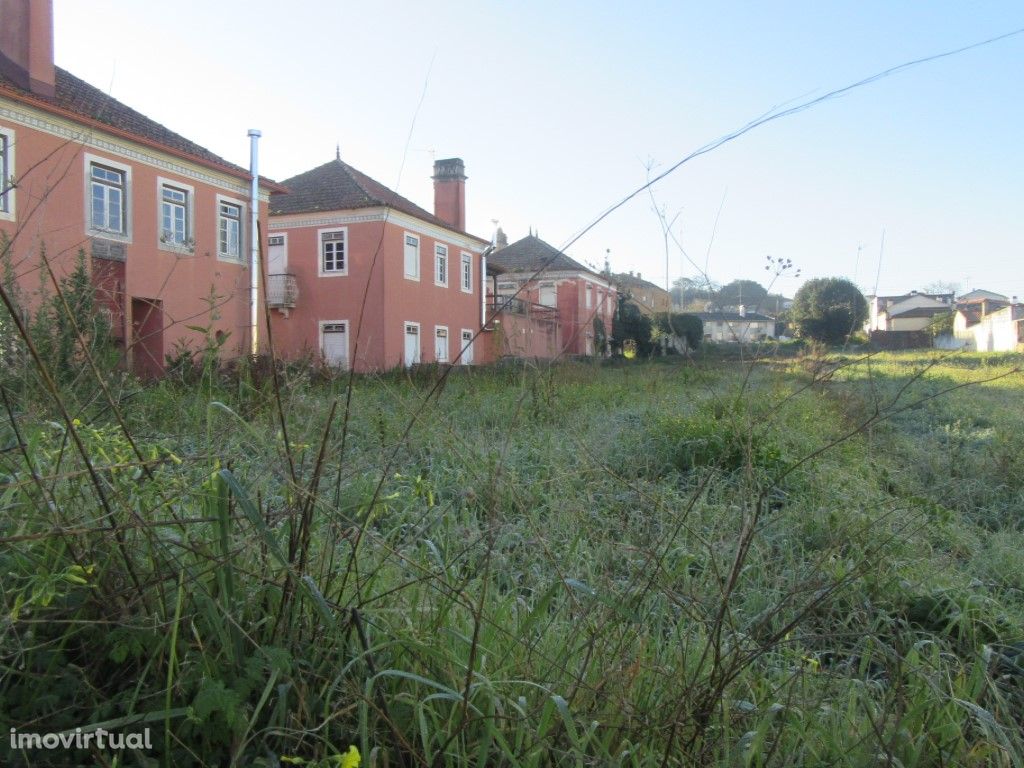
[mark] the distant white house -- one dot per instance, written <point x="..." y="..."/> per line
<point x="908" y="312"/>
<point x="979" y="295"/>
<point x="989" y="325"/>
<point x="740" y="325"/>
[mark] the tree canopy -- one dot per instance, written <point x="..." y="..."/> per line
<point x="828" y="309"/>
<point x="749" y="292"/>
<point x="630" y="323"/>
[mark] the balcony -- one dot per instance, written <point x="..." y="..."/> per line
<point x="282" y="291"/>
<point x="519" y="307"/>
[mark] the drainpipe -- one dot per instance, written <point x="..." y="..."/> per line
<point x="254" y="211"/>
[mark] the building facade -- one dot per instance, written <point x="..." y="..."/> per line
<point x="740" y="326"/>
<point x="908" y="312"/>
<point x="360" y="276"/>
<point x="989" y="325"/>
<point x="651" y="299"/>
<point x="162" y="222"/>
<point x="538" y="275"/>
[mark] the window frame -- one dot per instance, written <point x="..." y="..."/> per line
<point x="321" y="270"/>
<point x="123" y="235"/>
<point x="441" y="263"/>
<point x="188" y="245"/>
<point x="284" y="244"/>
<point x="447" y="344"/>
<point x="8" y="206"/>
<point x="405" y="257"/>
<point x="242" y="212"/>
<point x="588" y="301"/>
<point x="465" y="344"/>
<point x="322" y="325"/>
<point x="406" y="324"/>
<point x="466" y="272"/>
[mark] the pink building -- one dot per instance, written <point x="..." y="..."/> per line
<point x="164" y="223"/>
<point x="538" y="283"/>
<point x="365" y="278"/>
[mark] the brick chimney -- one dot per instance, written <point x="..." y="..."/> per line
<point x="450" y="192"/>
<point x="26" y="44"/>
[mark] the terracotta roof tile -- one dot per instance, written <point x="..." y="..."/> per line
<point x="90" y="103"/>
<point x="337" y="186"/>
<point x="531" y="254"/>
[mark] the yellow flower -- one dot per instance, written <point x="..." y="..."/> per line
<point x="350" y="759"/>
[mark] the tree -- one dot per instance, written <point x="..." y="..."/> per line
<point x="748" y="292"/>
<point x="686" y="290"/>
<point x="630" y="323"/>
<point x="828" y="309"/>
<point x="683" y="326"/>
<point x="942" y="286"/>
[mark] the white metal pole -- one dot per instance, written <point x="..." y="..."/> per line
<point x="254" y="211"/>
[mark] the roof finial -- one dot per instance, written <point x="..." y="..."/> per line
<point x="337" y="151"/>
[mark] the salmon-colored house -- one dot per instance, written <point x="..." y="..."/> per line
<point x="539" y="286"/>
<point x="164" y="223"/>
<point x="363" y="277"/>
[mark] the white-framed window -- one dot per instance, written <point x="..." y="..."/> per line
<point x="441" y="265"/>
<point x="175" y="215"/>
<point x="412" y="353"/>
<point x="6" y="174"/>
<point x="466" y="275"/>
<point x="590" y="296"/>
<point x="334" y="342"/>
<point x="412" y="257"/>
<point x="277" y="254"/>
<point x="548" y="295"/>
<point x="108" y="197"/>
<point x="230" y="218"/>
<point x="333" y="251"/>
<point x="467" y="347"/>
<point x="441" y="343"/>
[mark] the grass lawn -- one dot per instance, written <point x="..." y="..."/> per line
<point x="714" y="562"/>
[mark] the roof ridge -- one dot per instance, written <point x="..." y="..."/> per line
<point x="348" y="169"/>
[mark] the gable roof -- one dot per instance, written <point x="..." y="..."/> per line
<point x="886" y="301"/>
<point x="979" y="293"/>
<point x="531" y="254"/>
<point x="921" y="312"/>
<point x="89" y="105"/>
<point x="624" y="278"/>
<point x="337" y="186"/>
<point x="971" y="312"/>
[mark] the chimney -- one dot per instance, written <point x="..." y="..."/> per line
<point x="743" y="310"/>
<point x="26" y="44"/>
<point x="500" y="238"/>
<point x="450" y="192"/>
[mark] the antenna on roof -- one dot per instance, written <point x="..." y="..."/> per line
<point x="337" y="151"/>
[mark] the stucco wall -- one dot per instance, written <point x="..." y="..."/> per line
<point x="375" y="270"/>
<point x="50" y="209"/>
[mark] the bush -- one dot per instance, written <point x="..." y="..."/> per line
<point x="828" y="309"/>
<point x="683" y="326"/>
<point x="630" y="323"/>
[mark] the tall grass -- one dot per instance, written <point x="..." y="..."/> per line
<point x="652" y="564"/>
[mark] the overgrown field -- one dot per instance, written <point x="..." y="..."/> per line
<point x="815" y="561"/>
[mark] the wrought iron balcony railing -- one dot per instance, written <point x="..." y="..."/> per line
<point x="282" y="290"/>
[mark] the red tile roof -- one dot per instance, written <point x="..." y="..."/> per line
<point x="93" y="108"/>
<point x="337" y="186"/>
<point x="531" y="254"/>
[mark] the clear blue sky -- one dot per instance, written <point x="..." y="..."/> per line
<point x="557" y="109"/>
